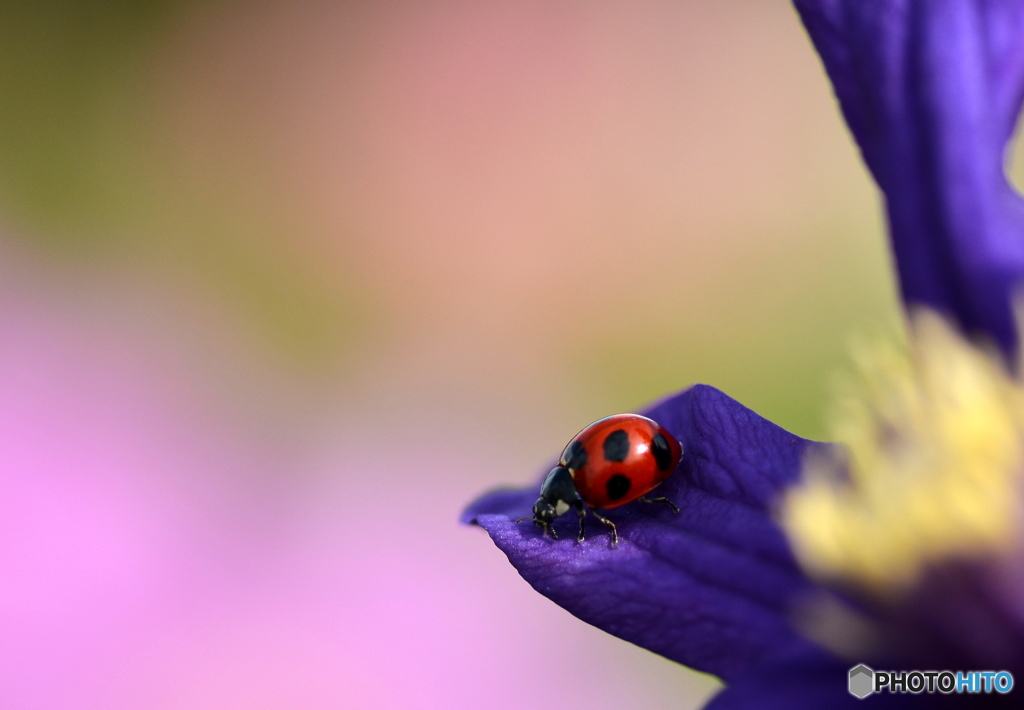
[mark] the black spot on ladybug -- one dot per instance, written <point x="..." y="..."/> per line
<point x="662" y="452"/>
<point x="616" y="445"/>
<point x="617" y="486"/>
<point x="575" y="456"/>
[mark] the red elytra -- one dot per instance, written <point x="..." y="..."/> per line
<point x="617" y="459"/>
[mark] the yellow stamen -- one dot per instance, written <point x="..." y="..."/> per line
<point x="933" y="465"/>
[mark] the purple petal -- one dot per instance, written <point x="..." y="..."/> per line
<point x="931" y="90"/>
<point x="962" y="614"/>
<point x="711" y="587"/>
<point x="813" y="681"/>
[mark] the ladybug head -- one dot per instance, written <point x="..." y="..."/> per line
<point x="543" y="512"/>
<point x="557" y="495"/>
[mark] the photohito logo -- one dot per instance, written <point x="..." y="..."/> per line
<point x="864" y="681"/>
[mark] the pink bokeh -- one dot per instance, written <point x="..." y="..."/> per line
<point x="160" y="550"/>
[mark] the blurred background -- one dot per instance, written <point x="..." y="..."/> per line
<point x="284" y="285"/>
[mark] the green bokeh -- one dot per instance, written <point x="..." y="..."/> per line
<point x="775" y="342"/>
<point x="70" y="112"/>
<point x="82" y="177"/>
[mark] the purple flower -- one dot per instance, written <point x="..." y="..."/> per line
<point x="931" y="90"/>
<point x="725" y="555"/>
<point x="712" y="587"/>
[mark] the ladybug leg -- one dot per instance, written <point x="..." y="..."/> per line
<point x="583" y="519"/>
<point x="546" y="528"/>
<point x="609" y="523"/>
<point x="666" y="501"/>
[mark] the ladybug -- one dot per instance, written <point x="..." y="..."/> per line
<point x="614" y="461"/>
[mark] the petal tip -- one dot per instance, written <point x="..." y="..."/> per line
<point x="499" y="501"/>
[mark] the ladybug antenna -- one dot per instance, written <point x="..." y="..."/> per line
<point x="528" y="517"/>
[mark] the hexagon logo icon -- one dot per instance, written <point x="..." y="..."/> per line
<point x="862" y="681"/>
